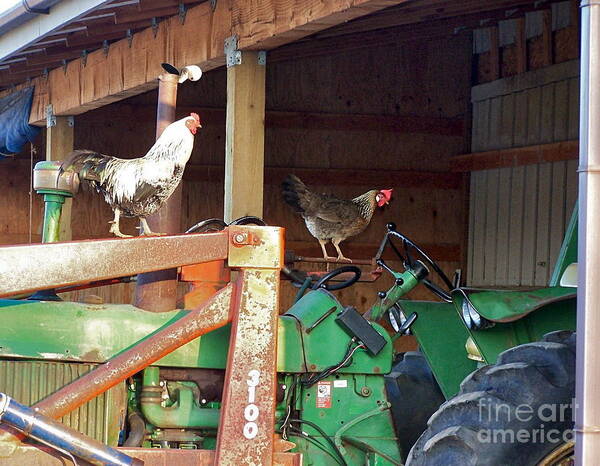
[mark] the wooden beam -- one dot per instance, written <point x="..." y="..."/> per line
<point x="245" y="138"/>
<point x="59" y="142"/>
<point x="131" y="70"/>
<point x="521" y="46"/>
<point x="547" y="42"/>
<point x="494" y="53"/>
<point x="341" y="177"/>
<point x="515" y="157"/>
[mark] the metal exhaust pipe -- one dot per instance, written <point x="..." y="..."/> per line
<point x="60" y="437"/>
<point x="587" y="411"/>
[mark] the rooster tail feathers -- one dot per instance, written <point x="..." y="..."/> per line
<point x="86" y="163"/>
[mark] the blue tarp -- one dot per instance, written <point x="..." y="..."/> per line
<point x="15" y="129"/>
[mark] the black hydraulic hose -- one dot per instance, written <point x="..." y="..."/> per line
<point x="137" y="430"/>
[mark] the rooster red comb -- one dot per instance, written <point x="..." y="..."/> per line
<point x="195" y="117"/>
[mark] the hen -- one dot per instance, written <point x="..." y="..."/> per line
<point x="138" y="187"/>
<point x="329" y="218"/>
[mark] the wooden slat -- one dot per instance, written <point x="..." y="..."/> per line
<point x="515" y="226"/>
<point x="542" y="237"/>
<point x="534" y="104"/>
<point x="547" y="43"/>
<point x="529" y="225"/>
<point x="521" y="46"/>
<point x="520" y="120"/>
<point x="478" y="215"/>
<point x="517" y="156"/>
<point x="547" y="114"/>
<point x="494" y="53"/>
<point x="491" y="228"/>
<point x="561" y="111"/>
<point x="503" y="228"/>
<point x="558" y="211"/>
<point x="573" y="117"/>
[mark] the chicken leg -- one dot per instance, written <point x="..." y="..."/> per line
<point x="145" y="229"/>
<point x="114" y="228"/>
<point x="340" y="257"/>
<point x="323" y="242"/>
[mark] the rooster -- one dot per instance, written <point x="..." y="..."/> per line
<point x="329" y="218"/>
<point x="138" y="187"/>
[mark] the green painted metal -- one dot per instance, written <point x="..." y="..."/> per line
<point x="403" y="283"/>
<point x="568" y="250"/>
<point x="356" y="417"/>
<point x="325" y="342"/>
<point x="94" y="333"/>
<point x="53" y="202"/>
<point x="183" y="413"/>
<point x="508" y="306"/>
<point x="558" y="315"/>
<point x="442" y="335"/>
<point x="101" y="418"/>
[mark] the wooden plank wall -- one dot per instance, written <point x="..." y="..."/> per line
<point x="520" y="213"/>
<point x="401" y="80"/>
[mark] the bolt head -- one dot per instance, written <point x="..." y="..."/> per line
<point x="239" y="238"/>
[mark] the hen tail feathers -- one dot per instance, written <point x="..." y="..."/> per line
<point x="296" y="194"/>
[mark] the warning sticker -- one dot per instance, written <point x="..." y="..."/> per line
<point x="324" y="395"/>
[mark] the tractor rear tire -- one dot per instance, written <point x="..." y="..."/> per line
<point x="516" y="412"/>
<point x="414" y="395"/>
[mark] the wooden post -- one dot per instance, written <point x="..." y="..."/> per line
<point x="245" y="137"/>
<point x="495" y="68"/>
<point x="59" y="143"/>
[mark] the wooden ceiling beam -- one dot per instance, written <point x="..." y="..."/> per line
<point x="128" y="70"/>
<point x="131" y="17"/>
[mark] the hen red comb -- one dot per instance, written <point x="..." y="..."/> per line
<point x="195" y="117"/>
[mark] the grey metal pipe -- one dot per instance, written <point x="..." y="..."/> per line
<point x="59" y="436"/>
<point x="587" y="411"/>
<point x="23" y="12"/>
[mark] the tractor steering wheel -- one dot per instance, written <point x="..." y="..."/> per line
<point x="322" y="282"/>
<point x="410" y="248"/>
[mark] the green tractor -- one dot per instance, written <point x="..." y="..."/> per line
<point x="492" y="383"/>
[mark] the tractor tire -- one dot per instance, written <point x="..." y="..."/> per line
<point x="414" y="395"/>
<point x="516" y="412"/>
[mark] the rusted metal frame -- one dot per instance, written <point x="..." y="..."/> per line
<point x="245" y="434"/>
<point x="215" y="313"/>
<point x="41" y="266"/>
<point x="157" y="291"/>
<point x="43" y="456"/>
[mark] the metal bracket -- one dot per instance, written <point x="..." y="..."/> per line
<point x="84" y="54"/>
<point x="105" y="48"/>
<point x="154" y="26"/>
<point x="71" y="121"/>
<point x="213" y="5"/>
<point x="182" y="12"/>
<point x="45" y="73"/>
<point x="262" y="58"/>
<point x="233" y="56"/>
<point x="129" y="36"/>
<point x="64" y="66"/>
<point x="50" y="118"/>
